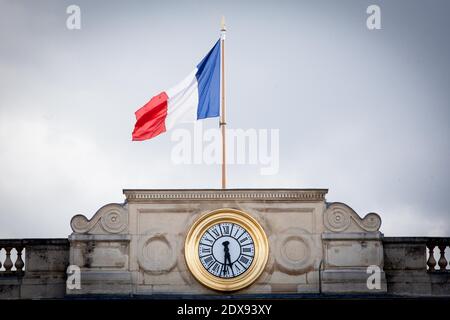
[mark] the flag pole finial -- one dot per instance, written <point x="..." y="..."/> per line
<point x="223" y="29"/>
<point x="222" y="24"/>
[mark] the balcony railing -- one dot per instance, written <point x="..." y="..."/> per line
<point x="19" y="255"/>
<point x="12" y="253"/>
<point x="29" y="267"/>
<point x="438" y="248"/>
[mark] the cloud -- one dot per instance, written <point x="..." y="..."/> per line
<point x="362" y="113"/>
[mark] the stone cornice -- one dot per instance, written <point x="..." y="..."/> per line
<point x="145" y="195"/>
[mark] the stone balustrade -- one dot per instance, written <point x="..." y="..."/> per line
<point x="441" y="247"/>
<point x="36" y="268"/>
<point x="11" y="253"/>
<point x="410" y="269"/>
<point x="33" y="268"/>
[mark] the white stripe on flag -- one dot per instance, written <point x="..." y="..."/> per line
<point x="182" y="103"/>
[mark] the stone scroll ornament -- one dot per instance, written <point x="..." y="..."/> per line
<point x="111" y="218"/>
<point x="339" y="217"/>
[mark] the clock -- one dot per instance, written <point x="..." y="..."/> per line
<point x="226" y="249"/>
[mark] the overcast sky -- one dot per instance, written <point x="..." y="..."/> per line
<point x="364" y="113"/>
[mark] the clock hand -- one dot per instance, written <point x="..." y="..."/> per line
<point x="225" y="264"/>
<point x="226" y="255"/>
<point x="231" y="265"/>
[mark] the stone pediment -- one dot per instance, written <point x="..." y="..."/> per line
<point x="142" y="241"/>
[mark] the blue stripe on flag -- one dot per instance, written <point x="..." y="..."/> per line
<point x="208" y="79"/>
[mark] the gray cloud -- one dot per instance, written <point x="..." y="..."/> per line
<point x="363" y="113"/>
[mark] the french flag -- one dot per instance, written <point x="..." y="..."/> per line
<point x="196" y="97"/>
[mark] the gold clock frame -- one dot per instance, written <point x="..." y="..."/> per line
<point x="232" y="216"/>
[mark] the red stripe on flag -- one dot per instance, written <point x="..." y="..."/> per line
<point x="150" y="119"/>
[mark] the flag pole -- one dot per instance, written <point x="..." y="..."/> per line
<point x="222" y="115"/>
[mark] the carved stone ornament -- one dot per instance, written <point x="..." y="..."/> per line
<point x="111" y="218"/>
<point x="339" y="217"/>
<point x="294" y="248"/>
<point x="157" y="252"/>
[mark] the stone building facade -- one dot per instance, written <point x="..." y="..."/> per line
<point x="315" y="247"/>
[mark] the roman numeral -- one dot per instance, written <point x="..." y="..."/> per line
<point x="243" y="240"/>
<point x="216" y="232"/>
<point x="246" y="249"/>
<point x="227" y="270"/>
<point x="226" y="229"/>
<point x="206" y="250"/>
<point x="208" y="261"/>
<point x="215" y="267"/>
<point x="244" y="260"/>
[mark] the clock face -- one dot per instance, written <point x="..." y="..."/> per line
<point x="226" y="250"/>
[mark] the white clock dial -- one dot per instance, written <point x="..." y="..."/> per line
<point x="226" y="250"/>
